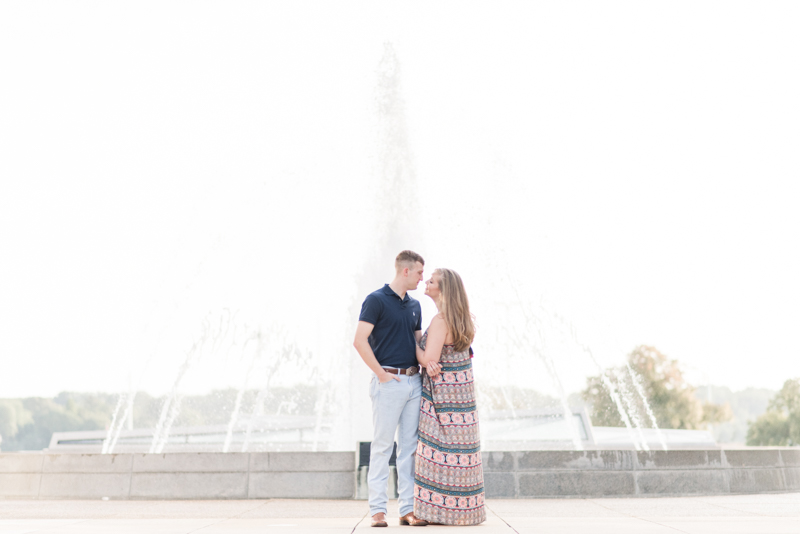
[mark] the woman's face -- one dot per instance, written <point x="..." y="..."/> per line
<point x="432" y="287"/>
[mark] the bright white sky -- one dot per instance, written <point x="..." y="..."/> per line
<point x="634" y="164"/>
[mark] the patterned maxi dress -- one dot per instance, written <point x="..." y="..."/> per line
<point x="448" y="481"/>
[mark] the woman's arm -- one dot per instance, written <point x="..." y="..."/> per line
<point x="437" y="334"/>
<point x="420" y="354"/>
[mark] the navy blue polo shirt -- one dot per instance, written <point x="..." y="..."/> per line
<point x="395" y="320"/>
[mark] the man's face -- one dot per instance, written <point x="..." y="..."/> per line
<point x="414" y="276"/>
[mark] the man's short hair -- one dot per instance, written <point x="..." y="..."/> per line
<point x="407" y="258"/>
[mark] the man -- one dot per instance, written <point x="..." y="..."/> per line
<point x="389" y="327"/>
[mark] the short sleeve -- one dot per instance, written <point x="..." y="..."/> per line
<point x="371" y="310"/>
<point x="418" y="327"/>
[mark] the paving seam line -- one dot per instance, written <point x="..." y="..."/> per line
<point x="498" y="515"/>
<point x="359" y="522"/>
<point x="736" y="509"/>
<point x="77" y="522"/>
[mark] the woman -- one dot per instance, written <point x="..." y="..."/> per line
<point x="448" y="482"/>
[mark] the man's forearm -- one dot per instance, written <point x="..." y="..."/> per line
<point x="365" y="351"/>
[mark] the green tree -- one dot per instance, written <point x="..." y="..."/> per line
<point x="28" y="424"/>
<point x="660" y="379"/>
<point x="780" y="424"/>
<point x="13" y="416"/>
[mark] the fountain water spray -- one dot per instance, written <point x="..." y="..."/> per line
<point x="319" y="407"/>
<point x="240" y="394"/>
<point x="275" y="342"/>
<point x="126" y="417"/>
<point x="612" y="391"/>
<point x="172" y="403"/>
<point x="129" y="397"/>
<point x="639" y="387"/>
<point x="533" y="323"/>
<point x="628" y="400"/>
<point x="616" y="390"/>
<point x="397" y="226"/>
<point x="112" y="429"/>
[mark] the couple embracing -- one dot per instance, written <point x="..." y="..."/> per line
<point x="422" y="390"/>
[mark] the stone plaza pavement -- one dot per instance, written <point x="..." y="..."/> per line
<point x="731" y="514"/>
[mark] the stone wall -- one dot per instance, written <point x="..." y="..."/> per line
<point x="631" y="473"/>
<point x="332" y="475"/>
<point x="329" y="475"/>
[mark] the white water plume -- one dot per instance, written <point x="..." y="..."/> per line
<point x="534" y="324"/>
<point x="275" y="343"/>
<point x="240" y="394"/>
<point x="616" y="388"/>
<point x="174" y="410"/>
<point x="112" y="429"/>
<point x="628" y="400"/>
<point x="258" y="410"/>
<point x="319" y="408"/>
<point x="126" y="416"/>
<point x="161" y="432"/>
<point x="639" y="387"/>
<point x="212" y="334"/>
<point x="612" y="391"/>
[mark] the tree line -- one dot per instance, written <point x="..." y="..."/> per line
<point x="27" y="424"/>
<point x="675" y="403"/>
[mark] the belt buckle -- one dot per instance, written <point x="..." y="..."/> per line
<point x="411" y="371"/>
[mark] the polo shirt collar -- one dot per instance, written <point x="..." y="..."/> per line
<point x="389" y="291"/>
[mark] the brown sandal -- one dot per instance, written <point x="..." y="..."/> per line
<point x="412" y="520"/>
<point x="379" y="522"/>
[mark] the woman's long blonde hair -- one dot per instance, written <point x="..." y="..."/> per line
<point x="454" y="308"/>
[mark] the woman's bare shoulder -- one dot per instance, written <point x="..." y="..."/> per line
<point x="440" y="327"/>
<point x="437" y="323"/>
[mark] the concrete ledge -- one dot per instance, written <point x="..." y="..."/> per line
<point x="325" y="475"/>
<point x="686" y="482"/>
<point x="310" y="461"/>
<point x="790" y="458"/>
<point x="87" y="463"/>
<point x="337" y="485"/>
<point x="792" y="477"/>
<point x="189" y="486"/>
<point x="21" y="463"/>
<point x="677" y="459"/>
<point x="588" y="483"/>
<point x="632" y="473"/>
<point x="498" y="461"/>
<point x="19" y="485"/>
<point x="189" y="463"/>
<point x="500" y="485"/>
<point x="753" y="458"/>
<point x="84" y="486"/>
<point x="332" y="475"/>
<point x="756" y="480"/>
<point x="571" y="460"/>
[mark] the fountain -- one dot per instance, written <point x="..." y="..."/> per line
<point x="293" y="401"/>
<point x="521" y="335"/>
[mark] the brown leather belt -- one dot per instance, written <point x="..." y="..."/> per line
<point x="411" y="371"/>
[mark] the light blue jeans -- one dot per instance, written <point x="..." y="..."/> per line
<point x="395" y="409"/>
